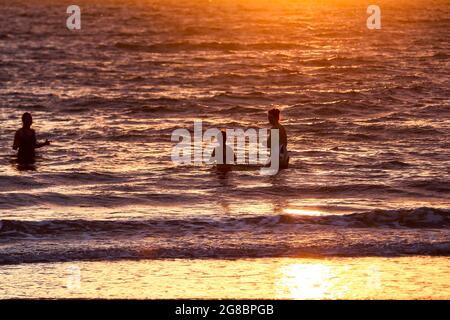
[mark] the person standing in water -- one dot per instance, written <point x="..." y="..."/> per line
<point x="274" y="120"/>
<point x="25" y="141"/>
<point x="224" y="156"/>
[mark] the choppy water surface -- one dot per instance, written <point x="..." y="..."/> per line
<point x="367" y="114"/>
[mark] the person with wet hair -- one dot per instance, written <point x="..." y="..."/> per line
<point x="25" y="141"/>
<point x="274" y="120"/>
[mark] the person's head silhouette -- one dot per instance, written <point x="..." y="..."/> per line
<point x="274" y="116"/>
<point x="27" y="120"/>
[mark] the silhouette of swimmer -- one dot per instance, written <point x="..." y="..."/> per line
<point x="227" y="153"/>
<point x="274" y="119"/>
<point x="25" y="141"/>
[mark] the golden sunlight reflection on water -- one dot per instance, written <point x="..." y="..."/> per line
<point x="328" y="281"/>
<point x="303" y="212"/>
<point x="271" y="278"/>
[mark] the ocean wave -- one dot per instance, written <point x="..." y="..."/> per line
<point x="325" y="190"/>
<point x="402" y="218"/>
<point x="63" y="253"/>
<point x="436" y="109"/>
<point x="335" y="108"/>
<point x="387" y="165"/>
<point x="208" y="46"/>
<point x="248" y="98"/>
<point x="97" y="198"/>
<point x="338" y="61"/>
<point x="441" y="55"/>
<point x="431" y="185"/>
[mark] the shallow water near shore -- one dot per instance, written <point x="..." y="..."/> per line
<point x="286" y="278"/>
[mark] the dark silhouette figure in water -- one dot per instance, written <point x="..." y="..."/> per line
<point x="274" y="119"/>
<point x="25" y="141"/>
<point x="227" y="152"/>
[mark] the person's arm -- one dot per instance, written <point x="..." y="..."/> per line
<point x="16" y="141"/>
<point x="41" y="144"/>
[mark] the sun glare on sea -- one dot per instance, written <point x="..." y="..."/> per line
<point x="304" y="281"/>
<point x="324" y="280"/>
<point x="303" y="212"/>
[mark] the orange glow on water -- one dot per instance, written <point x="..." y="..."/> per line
<point x="303" y="212"/>
<point x="285" y="278"/>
